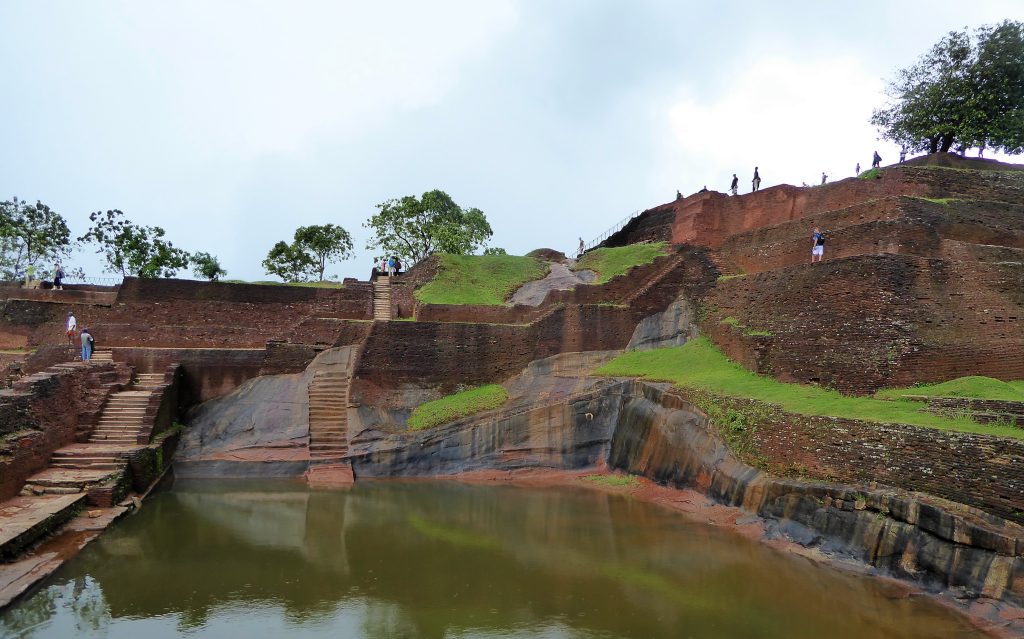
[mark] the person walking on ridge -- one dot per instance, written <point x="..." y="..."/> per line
<point x="58" y="277"/>
<point x="903" y="153"/>
<point x="87" y="342"/>
<point x="876" y="161"/>
<point x="817" y="245"/>
<point x="856" y="171"/>
<point x="824" y="178"/>
<point x="583" y="247"/>
<point x="735" y="186"/>
<point x="756" y="181"/>
<point x="70" y="327"/>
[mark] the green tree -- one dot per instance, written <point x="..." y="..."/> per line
<point x="30" y="235"/>
<point x="965" y="91"/>
<point x="131" y="249"/>
<point x="494" y="250"/>
<point x="417" y="228"/>
<point x="207" y="266"/>
<point x="312" y="248"/>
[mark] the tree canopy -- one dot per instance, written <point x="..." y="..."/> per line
<point x="207" y="266"/>
<point x="966" y="91"/>
<point x="30" y="234"/>
<point x="312" y="248"/>
<point x="131" y="249"/>
<point x="415" y="228"/>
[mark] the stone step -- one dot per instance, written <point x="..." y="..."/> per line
<point x="63" y="478"/>
<point x="91" y="465"/>
<point x="23" y="520"/>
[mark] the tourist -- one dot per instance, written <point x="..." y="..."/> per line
<point x="679" y="196"/>
<point x="704" y="190"/>
<point x="817" y="245"/>
<point x="70" y="327"/>
<point x="383" y="266"/>
<point x="87" y="344"/>
<point x="398" y="265"/>
<point x="735" y="186"/>
<point x="391" y="266"/>
<point x="903" y="153"/>
<point x="583" y="247"/>
<point x="757" y="180"/>
<point x="58" y="277"/>
<point x="824" y="178"/>
<point x="856" y="171"/>
<point x="876" y="161"/>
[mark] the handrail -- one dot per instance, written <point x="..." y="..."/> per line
<point x="608" y="233"/>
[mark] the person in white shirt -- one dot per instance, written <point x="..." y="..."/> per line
<point x="71" y="326"/>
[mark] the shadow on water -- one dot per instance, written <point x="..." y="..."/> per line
<point x="258" y="559"/>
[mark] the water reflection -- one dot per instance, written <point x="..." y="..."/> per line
<point x="446" y="560"/>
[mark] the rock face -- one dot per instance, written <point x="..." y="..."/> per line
<point x="674" y="326"/>
<point x="559" y="279"/>
<point x="260" y="429"/>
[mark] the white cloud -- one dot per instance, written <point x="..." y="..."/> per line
<point x="793" y="118"/>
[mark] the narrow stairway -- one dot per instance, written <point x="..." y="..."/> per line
<point x="382" y="298"/>
<point x="74" y="468"/>
<point x="328" y="419"/>
<point x="102" y="357"/>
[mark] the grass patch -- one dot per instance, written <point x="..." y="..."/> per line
<point x="698" y="364"/>
<point x="726" y="278"/>
<point x="614" y="481"/>
<point x="452" y="407"/>
<point x="972" y="387"/>
<point x="611" y="262"/>
<point x="323" y="284"/>
<point x="756" y="332"/>
<point x="729" y="321"/>
<point x="480" y="279"/>
<point x="871" y="174"/>
<point x="944" y="201"/>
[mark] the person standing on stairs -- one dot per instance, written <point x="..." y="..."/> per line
<point x="70" y="327"/>
<point x="391" y="266"/>
<point x="756" y="182"/>
<point x="87" y="343"/>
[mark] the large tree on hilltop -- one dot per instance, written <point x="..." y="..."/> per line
<point x="415" y="228"/>
<point x="312" y="248"/>
<point x="30" y="234"/>
<point x="131" y="249"/>
<point x="966" y="91"/>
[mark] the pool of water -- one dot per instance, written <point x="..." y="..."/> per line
<point x="275" y="559"/>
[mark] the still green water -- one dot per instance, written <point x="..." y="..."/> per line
<point x="253" y="560"/>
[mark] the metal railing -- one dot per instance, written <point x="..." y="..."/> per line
<point x="604" y="236"/>
<point x="99" y="281"/>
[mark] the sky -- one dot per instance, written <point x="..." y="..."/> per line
<point x="230" y="123"/>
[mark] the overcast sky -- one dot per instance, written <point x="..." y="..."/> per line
<point x="230" y="123"/>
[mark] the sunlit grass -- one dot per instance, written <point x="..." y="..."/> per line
<point x="480" y="279"/>
<point x="698" y="364"/>
<point x="611" y="262"/>
<point x="452" y="407"/>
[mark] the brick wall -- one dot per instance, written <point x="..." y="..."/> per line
<point x="864" y="322"/>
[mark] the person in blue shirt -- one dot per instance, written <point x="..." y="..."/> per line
<point x="817" y="245"/>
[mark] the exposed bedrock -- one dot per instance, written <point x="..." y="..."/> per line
<point x="260" y="429"/>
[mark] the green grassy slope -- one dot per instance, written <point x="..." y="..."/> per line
<point x="700" y="365"/>
<point x="975" y="387"/>
<point x="452" y="407"/>
<point x="610" y="262"/>
<point x="480" y="279"/>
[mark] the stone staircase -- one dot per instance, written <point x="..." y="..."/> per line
<point x="78" y="467"/>
<point x="328" y="419"/>
<point x="329" y="465"/>
<point x="102" y="357"/>
<point x="382" y="298"/>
